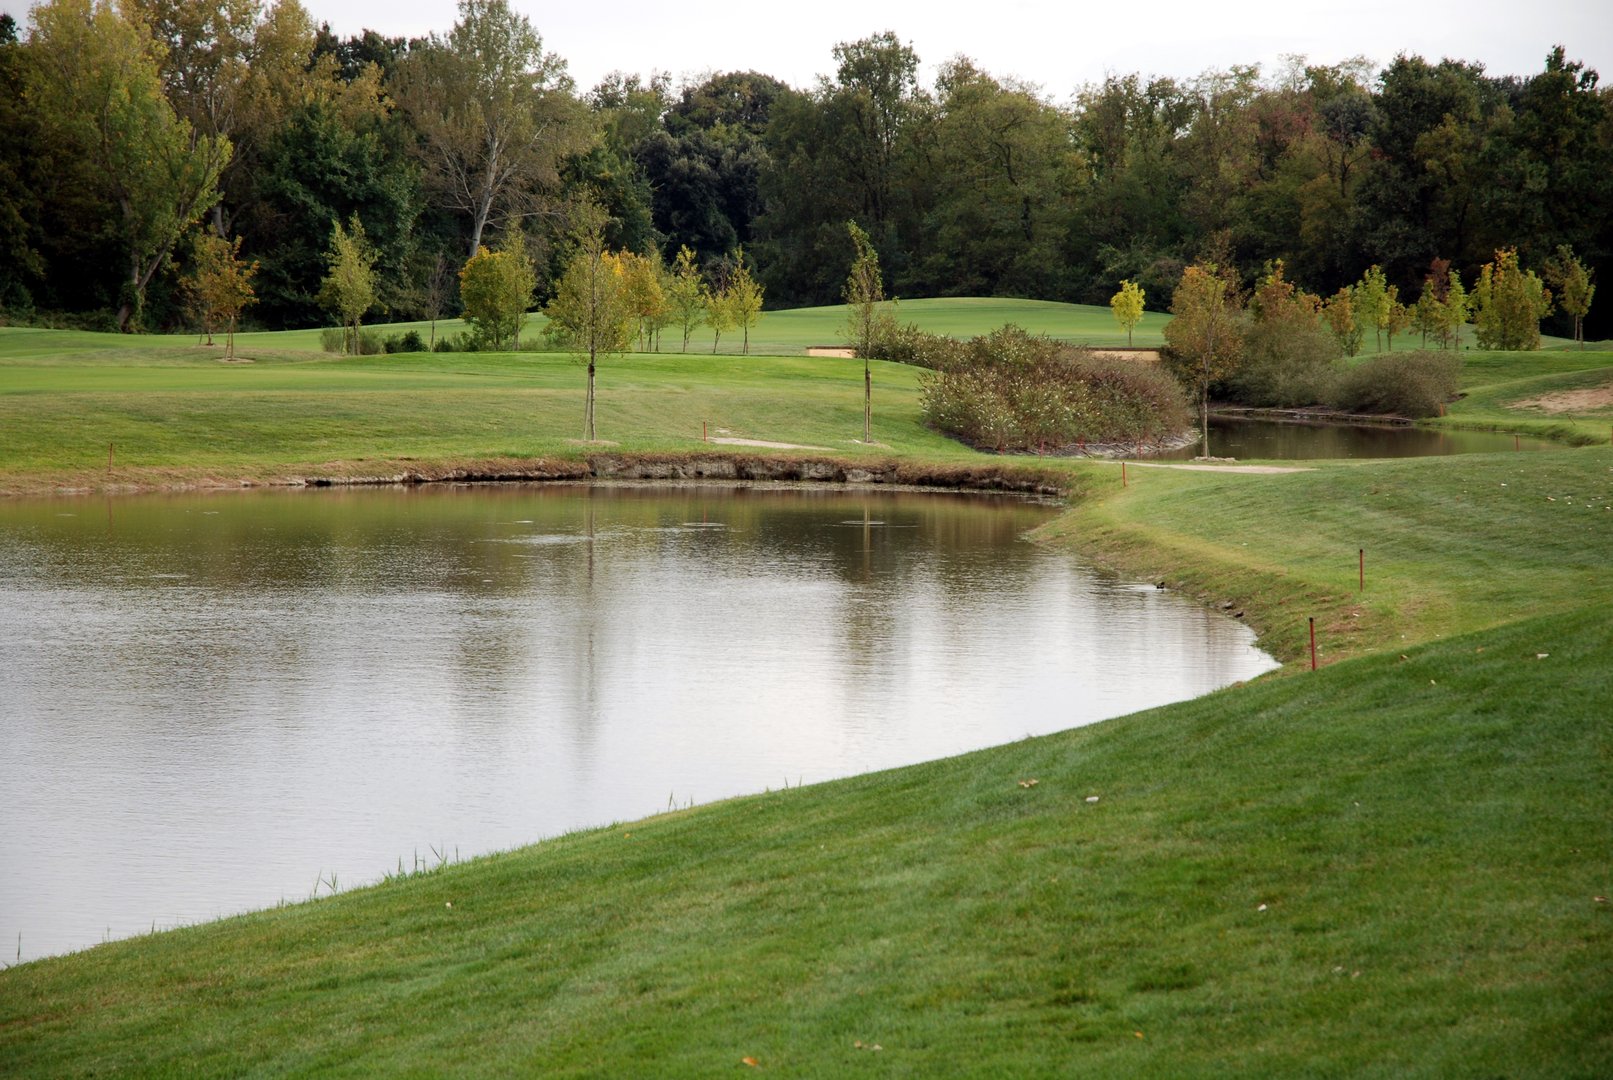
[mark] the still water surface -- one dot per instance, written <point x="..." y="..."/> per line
<point x="212" y="702"/>
<point x="1284" y="440"/>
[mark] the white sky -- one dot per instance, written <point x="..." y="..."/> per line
<point x="1060" y="46"/>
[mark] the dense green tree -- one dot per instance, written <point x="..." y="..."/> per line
<point x="997" y="223"/>
<point x="323" y="166"/>
<point x="496" y="116"/>
<point x="1545" y="171"/>
<point x="96" y="86"/>
<point x="843" y="152"/>
<point x="22" y="267"/>
<point x="495" y="291"/>
<point x="1422" y="195"/>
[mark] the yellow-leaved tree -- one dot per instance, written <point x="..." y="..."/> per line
<point x="1127" y="304"/>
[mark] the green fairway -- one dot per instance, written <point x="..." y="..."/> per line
<point x="1391" y="866"/>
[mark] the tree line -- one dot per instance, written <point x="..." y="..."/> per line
<point x="137" y="127"/>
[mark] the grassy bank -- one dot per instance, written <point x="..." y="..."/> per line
<point x="1389" y="867"/>
<point x="1563" y="394"/>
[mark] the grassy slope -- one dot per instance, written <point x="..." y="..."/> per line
<point x="1495" y="386"/>
<point x="1428" y="833"/>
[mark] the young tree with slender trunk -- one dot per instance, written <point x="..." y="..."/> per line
<point x="220" y="286"/>
<point x="1568" y="276"/>
<point x="589" y="312"/>
<point x="720" y="314"/>
<point x="687" y="293"/>
<point x="348" y="290"/>
<point x="1127" y="304"/>
<point x="1205" y="336"/>
<point x="744" y="298"/>
<point x="1372" y="300"/>
<point x="864" y="291"/>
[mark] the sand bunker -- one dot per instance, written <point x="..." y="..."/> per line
<point x="1591" y="399"/>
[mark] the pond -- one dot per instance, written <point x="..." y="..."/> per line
<point x="215" y="702"/>
<point x="1248" y="438"/>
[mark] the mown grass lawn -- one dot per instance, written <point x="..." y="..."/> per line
<point x="1398" y="865"/>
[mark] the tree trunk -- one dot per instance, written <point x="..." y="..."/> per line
<point x="1204" y="416"/>
<point x="588" y="409"/>
<point x="868" y="403"/>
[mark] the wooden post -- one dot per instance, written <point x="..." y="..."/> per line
<point x="1362" y="584"/>
<point x="109" y="457"/>
<point x="1123" y="474"/>
<point x="1313" y="643"/>
<point x="703" y="424"/>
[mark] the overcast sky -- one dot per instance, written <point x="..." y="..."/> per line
<point x="1059" y="45"/>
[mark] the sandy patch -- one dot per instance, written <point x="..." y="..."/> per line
<point x="1260" y="470"/>
<point x="1591" y="399"/>
<point x="1147" y="356"/>
<point x="831" y="350"/>
<point x="765" y="443"/>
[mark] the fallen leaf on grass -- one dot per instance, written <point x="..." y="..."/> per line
<point x="1541" y="655"/>
<point x="1600" y="899"/>
<point x="752" y="1062"/>
<point x="1137" y="1034"/>
<point x="1262" y="907"/>
<point x="1029" y="783"/>
<point x="859" y="1044"/>
<point x="1092" y="798"/>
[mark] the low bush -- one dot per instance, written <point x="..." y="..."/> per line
<point x="1012" y="391"/>
<point x="904" y="343"/>
<point x="409" y="341"/>
<point x="333" y="339"/>
<point x="1287" y="366"/>
<point x="1413" y="385"/>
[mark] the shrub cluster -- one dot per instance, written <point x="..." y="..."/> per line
<point x="334" y="340"/>
<point x="408" y="341"/>
<point x="1415" y="384"/>
<point x="1012" y="391"/>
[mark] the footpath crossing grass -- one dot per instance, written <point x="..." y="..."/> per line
<point x="1399" y="865"/>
